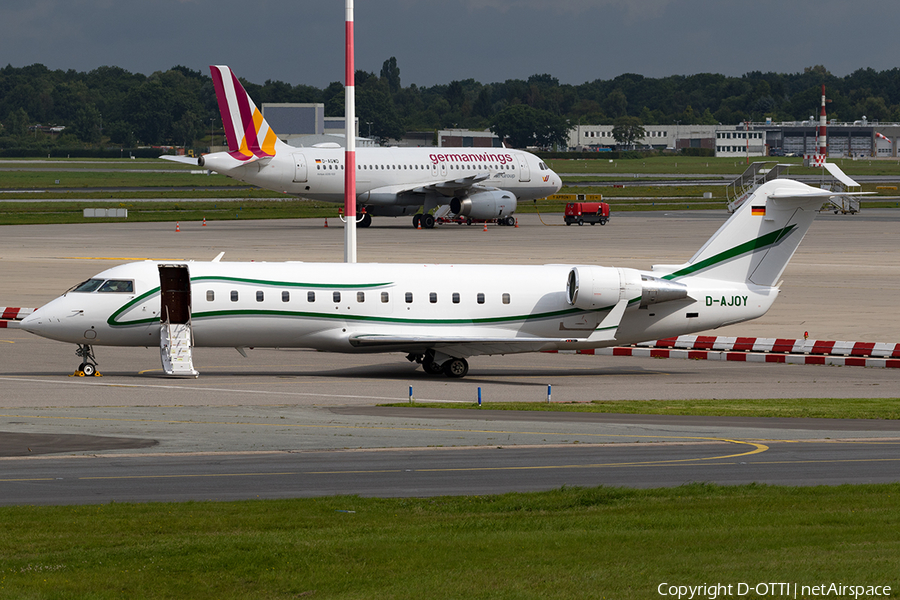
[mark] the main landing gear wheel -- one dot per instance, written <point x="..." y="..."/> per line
<point x="426" y="221"/>
<point x="456" y="368"/>
<point x="365" y="221"/>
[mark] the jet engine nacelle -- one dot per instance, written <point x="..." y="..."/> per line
<point x="590" y="287"/>
<point x="489" y="204"/>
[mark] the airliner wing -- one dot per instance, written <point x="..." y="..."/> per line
<point x="449" y="188"/>
<point x="455" y="346"/>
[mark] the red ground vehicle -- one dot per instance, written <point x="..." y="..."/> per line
<point x="587" y="212"/>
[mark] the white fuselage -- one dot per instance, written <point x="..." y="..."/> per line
<point x="325" y="306"/>
<point x="391" y="176"/>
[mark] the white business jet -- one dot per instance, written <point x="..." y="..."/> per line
<point x="475" y="183"/>
<point x="439" y="315"/>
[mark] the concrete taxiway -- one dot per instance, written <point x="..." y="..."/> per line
<point x="842" y="284"/>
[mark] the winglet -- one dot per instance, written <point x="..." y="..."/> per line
<point x="249" y="136"/>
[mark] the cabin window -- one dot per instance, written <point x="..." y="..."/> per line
<point x="480" y="298"/>
<point x="88" y="286"/>
<point x="505" y="298"/>
<point x="336" y="296"/>
<point x="310" y="296"/>
<point x="432" y="297"/>
<point x="455" y="297"/>
<point x="234" y="296"/>
<point x="360" y="296"/>
<point x="210" y="296"/>
<point x="408" y="297"/>
<point x="385" y="297"/>
<point x="285" y="296"/>
<point x="117" y="285"/>
<point x="260" y="296"/>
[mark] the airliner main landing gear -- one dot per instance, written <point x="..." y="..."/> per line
<point x="426" y="221"/>
<point x="435" y="365"/>
<point x="88" y="366"/>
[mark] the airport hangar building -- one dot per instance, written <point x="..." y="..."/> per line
<point x="859" y="139"/>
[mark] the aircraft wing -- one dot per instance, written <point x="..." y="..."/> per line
<point x="455" y="346"/>
<point x="449" y="188"/>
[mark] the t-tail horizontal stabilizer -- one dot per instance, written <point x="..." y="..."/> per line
<point x="756" y="243"/>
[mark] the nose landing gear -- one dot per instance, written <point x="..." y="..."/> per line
<point x="88" y="366"/>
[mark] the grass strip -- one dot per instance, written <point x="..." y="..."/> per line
<point x="818" y="408"/>
<point x="23" y="213"/>
<point x="63" y="180"/>
<point x="566" y="543"/>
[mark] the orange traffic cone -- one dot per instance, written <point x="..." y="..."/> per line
<point x="204" y="221"/>
<point x="517" y="222"/>
<point x="419" y="224"/>
<point x="485" y="226"/>
<point x="326" y="221"/>
<point x="177" y="228"/>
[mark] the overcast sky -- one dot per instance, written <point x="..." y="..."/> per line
<point x="437" y="41"/>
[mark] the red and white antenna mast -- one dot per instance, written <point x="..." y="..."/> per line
<point x="820" y="134"/>
<point x="350" y="154"/>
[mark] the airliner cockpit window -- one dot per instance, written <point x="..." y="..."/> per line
<point x="542" y="166"/>
<point x="88" y="286"/>
<point x="117" y="285"/>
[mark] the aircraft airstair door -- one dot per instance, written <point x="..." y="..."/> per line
<point x="524" y="171"/>
<point x="300" y="174"/>
<point x="175" y="335"/>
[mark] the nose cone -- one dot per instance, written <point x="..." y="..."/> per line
<point x="55" y="320"/>
<point x="556" y="181"/>
<point x="36" y="322"/>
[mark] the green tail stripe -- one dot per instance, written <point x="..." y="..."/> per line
<point x="770" y="239"/>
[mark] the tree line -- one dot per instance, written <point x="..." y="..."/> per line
<point x="112" y="106"/>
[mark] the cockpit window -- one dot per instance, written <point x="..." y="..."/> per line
<point x="117" y="285"/>
<point x="88" y="286"/>
<point x="542" y="166"/>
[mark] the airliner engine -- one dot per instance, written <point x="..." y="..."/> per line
<point x="490" y="204"/>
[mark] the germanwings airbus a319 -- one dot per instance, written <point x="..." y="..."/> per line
<point x="478" y="183"/>
<point x="438" y="315"/>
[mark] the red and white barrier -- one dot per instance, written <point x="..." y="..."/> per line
<point x="778" y="345"/>
<point x="761" y="350"/>
<point x="10" y="315"/>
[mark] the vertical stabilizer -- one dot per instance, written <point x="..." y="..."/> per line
<point x="249" y="136"/>
<point x="756" y="243"/>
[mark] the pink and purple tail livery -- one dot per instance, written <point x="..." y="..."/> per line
<point x="249" y="136"/>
